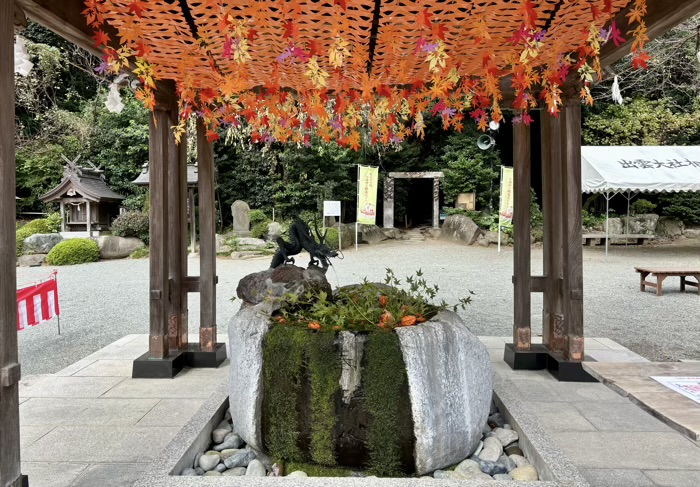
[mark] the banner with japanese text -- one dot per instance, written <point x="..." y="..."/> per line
<point x="505" y="209"/>
<point x="367" y="195"/>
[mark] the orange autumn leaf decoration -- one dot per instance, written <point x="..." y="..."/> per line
<point x="281" y="72"/>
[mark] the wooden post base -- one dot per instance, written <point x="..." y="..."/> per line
<point x="539" y="358"/>
<point x="533" y="359"/>
<point x="567" y="370"/>
<point x="145" y="367"/>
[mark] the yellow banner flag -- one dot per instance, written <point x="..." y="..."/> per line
<point x="367" y="195"/>
<point x="505" y="210"/>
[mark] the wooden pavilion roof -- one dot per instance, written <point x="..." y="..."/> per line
<point x="88" y="183"/>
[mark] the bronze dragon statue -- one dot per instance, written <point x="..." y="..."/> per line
<point x="301" y="238"/>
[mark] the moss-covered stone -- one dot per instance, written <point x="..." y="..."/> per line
<point x="384" y="384"/>
<point x="306" y="419"/>
<point x="283" y="361"/>
<point x="324" y="368"/>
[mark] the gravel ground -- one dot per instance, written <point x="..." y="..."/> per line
<point x="104" y="301"/>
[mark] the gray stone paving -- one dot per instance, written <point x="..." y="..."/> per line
<point x="104" y="301"/>
<point x="94" y="433"/>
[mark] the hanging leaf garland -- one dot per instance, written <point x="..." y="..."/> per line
<point x="279" y="72"/>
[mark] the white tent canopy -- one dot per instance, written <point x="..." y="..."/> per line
<point x="640" y="169"/>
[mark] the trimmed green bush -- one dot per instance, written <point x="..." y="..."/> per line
<point x="74" y="251"/>
<point x="131" y="224"/>
<point x="684" y="206"/>
<point x="43" y="225"/>
<point x="642" y="207"/>
<point x="332" y="238"/>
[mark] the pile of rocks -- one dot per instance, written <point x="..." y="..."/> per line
<point x="230" y="456"/>
<point x="498" y="456"/>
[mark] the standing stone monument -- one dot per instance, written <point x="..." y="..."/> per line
<point x="241" y="218"/>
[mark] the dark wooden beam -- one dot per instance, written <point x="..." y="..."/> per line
<point x="174" y="232"/>
<point x="521" y="237"/>
<point x="65" y="18"/>
<point x="9" y="360"/>
<point x="571" y="244"/>
<point x="552" y="326"/>
<point x="207" y="242"/>
<point x="662" y="16"/>
<point x="159" y="131"/>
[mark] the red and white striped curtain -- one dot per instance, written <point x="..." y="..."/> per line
<point x="37" y="303"/>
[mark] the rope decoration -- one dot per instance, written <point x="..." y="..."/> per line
<point x="284" y="71"/>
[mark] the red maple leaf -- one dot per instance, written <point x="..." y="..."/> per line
<point x="607" y="9"/>
<point x="207" y="95"/>
<point x="528" y="9"/>
<point x="640" y="59"/>
<point x="521" y="35"/>
<point x="212" y="136"/>
<point x="343" y="4"/>
<point x="314" y="48"/>
<point x="595" y="12"/>
<point x="439" y="31"/>
<point x="252" y="35"/>
<point x="527" y="119"/>
<point x="290" y="29"/>
<point x="615" y="35"/>
<point x="424" y="18"/>
<point x="142" y="49"/>
<point x="137" y="7"/>
<point x="384" y="91"/>
<point x="101" y="38"/>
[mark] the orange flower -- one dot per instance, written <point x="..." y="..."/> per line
<point x="280" y="320"/>
<point x="382" y="301"/>
<point x="420" y="319"/>
<point x="387" y="318"/>
<point x="336" y="328"/>
<point x="408" y="321"/>
<point x="314" y="325"/>
<point x="381" y="325"/>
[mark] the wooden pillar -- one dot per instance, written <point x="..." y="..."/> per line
<point x="207" y="243"/>
<point x="184" y="313"/>
<point x="571" y="216"/>
<point x="388" y="202"/>
<point x="174" y="233"/>
<point x="158" y="127"/>
<point x="193" y="222"/>
<point x="88" y="218"/>
<point x="63" y="216"/>
<point x="436" y="202"/>
<point x="521" y="235"/>
<point x="553" y="336"/>
<point x="9" y="360"/>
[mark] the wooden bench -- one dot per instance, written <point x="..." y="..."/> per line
<point x="662" y="273"/>
<point x="590" y="239"/>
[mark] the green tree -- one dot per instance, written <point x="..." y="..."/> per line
<point x="469" y="169"/>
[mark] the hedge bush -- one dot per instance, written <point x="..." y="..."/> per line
<point x="259" y="230"/>
<point x="43" y="225"/>
<point x="131" y="224"/>
<point x="74" y="251"/>
<point x="331" y="238"/>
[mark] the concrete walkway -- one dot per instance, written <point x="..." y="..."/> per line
<point x="92" y="425"/>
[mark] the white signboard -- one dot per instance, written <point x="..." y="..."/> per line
<point x="331" y="208"/>
<point x="688" y="386"/>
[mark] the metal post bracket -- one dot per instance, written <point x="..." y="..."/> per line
<point x="10" y="375"/>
